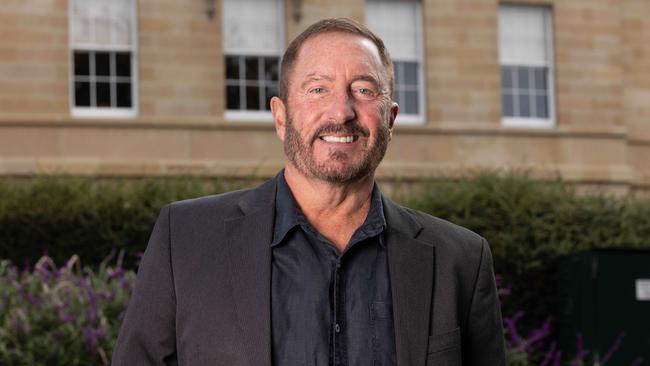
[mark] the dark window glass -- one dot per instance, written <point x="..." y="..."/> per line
<point x="103" y="94"/>
<point x="123" y="63"/>
<point x="522" y="78"/>
<point x="524" y="105"/>
<point x="506" y="77"/>
<point x="123" y="91"/>
<point x="232" y="67"/>
<point x="252" y="68"/>
<point x="81" y="63"/>
<point x="540" y="79"/>
<point x="271" y="68"/>
<point x="508" y="106"/>
<point x="399" y="73"/>
<point x="252" y="98"/>
<point x="541" y="102"/>
<point x="232" y="97"/>
<point x="271" y="91"/>
<point x="410" y="73"/>
<point x="82" y="94"/>
<point x="411" y="102"/>
<point x="102" y="64"/>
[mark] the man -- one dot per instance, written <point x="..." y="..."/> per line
<point x="316" y="267"/>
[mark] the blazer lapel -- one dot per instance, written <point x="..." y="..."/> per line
<point x="249" y="239"/>
<point x="411" y="264"/>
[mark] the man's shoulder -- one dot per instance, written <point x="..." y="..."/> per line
<point x="446" y="236"/>
<point x="226" y="204"/>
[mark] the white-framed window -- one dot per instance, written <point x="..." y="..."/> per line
<point x="103" y="46"/>
<point x="526" y="57"/>
<point x="399" y="24"/>
<point x="253" y="44"/>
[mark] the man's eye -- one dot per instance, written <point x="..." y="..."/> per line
<point x="366" y="92"/>
<point x="317" y="90"/>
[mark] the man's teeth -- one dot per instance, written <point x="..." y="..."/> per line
<point x="345" y="139"/>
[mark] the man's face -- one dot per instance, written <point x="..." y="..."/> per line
<point x="338" y="118"/>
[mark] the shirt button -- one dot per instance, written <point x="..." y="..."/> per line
<point x="337" y="328"/>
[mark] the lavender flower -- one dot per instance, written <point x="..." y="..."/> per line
<point x="614" y="348"/>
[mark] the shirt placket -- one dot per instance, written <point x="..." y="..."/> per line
<point x="338" y="323"/>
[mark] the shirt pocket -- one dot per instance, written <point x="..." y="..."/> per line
<point x="383" y="334"/>
<point x="445" y="349"/>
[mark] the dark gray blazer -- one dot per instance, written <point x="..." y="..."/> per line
<point x="203" y="290"/>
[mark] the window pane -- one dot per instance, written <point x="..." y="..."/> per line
<point x="252" y="98"/>
<point x="123" y="63"/>
<point x="82" y="94"/>
<point x="271" y="91"/>
<point x="81" y="63"/>
<point x="252" y="25"/>
<point x="398" y="24"/>
<point x="399" y="73"/>
<point x="232" y="97"/>
<point x="541" y="102"/>
<point x="102" y="64"/>
<point x="121" y="21"/>
<point x="124" y="95"/>
<point x="506" y="77"/>
<point x="252" y="68"/>
<point x="410" y="73"/>
<point x="508" y="105"/>
<point x="522" y="78"/>
<point x="540" y="79"/>
<point x="524" y="105"/>
<point x="103" y="94"/>
<point x="411" y="102"/>
<point x="523" y="34"/>
<point x="271" y="68"/>
<point x="232" y="67"/>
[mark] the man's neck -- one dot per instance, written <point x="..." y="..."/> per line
<point x="335" y="210"/>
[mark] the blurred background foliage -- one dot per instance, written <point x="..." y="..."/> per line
<point x="530" y="225"/>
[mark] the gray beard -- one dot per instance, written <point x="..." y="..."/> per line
<point x="300" y="153"/>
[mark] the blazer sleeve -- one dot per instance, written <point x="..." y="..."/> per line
<point x="147" y="335"/>
<point x="485" y="343"/>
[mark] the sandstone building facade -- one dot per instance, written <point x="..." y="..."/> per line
<point x="157" y="87"/>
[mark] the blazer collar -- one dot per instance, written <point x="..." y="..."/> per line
<point x="249" y="236"/>
<point x="411" y="264"/>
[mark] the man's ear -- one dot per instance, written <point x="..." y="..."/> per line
<point x="394" y="108"/>
<point x="279" y="112"/>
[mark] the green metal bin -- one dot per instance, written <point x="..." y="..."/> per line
<point x="605" y="297"/>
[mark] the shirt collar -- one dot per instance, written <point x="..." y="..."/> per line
<point x="287" y="214"/>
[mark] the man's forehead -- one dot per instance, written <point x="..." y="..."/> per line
<point x="336" y="48"/>
<point x="338" y="41"/>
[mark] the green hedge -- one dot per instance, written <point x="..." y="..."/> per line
<point x="531" y="224"/>
<point x="63" y="216"/>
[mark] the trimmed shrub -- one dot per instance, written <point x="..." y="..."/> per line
<point x="62" y="216"/>
<point x="531" y="224"/>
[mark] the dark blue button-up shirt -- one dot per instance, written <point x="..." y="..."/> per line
<point x="329" y="308"/>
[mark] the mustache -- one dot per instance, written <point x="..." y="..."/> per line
<point x="352" y="128"/>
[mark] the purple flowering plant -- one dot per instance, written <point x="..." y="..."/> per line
<point x="62" y="316"/>
<point x="521" y="350"/>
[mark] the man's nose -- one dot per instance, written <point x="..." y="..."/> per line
<point x="342" y="107"/>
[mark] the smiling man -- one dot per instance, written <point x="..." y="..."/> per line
<point x="316" y="267"/>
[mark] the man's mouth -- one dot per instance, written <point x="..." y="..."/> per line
<point x="340" y="139"/>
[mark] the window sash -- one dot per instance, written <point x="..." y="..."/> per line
<point x="104" y="26"/>
<point x="253" y="27"/>
<point x="526" y="51"/>
<point x="399" y="24"/>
